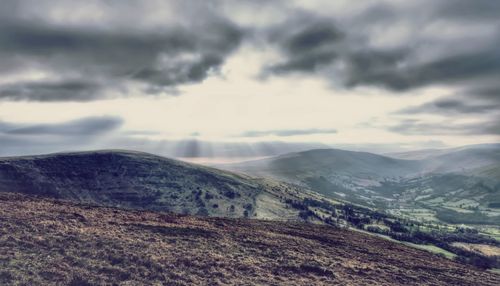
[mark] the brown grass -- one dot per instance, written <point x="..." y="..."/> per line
<point x="45" y="242"/>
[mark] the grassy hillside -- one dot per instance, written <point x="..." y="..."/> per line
<point x="131" y="180"/>
<point x="46" y="242"/>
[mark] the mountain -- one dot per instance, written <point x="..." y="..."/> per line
<point x="326" y="161"/>
<point x="465" y="159"/>
<point x="137" y="180"/>
<point x="48" y="242"/>
<point x="460" y="185"/>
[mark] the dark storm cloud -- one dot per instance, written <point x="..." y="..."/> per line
<point x="88" y="126"/>
<point x="109" y="55"/>
<point x="287" y="132"/>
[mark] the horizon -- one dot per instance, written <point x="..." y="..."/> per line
<point x="374" y="76"/>
<point x="214" y="161"/>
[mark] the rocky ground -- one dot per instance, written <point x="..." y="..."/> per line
<point x="45" y="242"/>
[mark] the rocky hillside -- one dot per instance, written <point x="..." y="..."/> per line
<point x="47" y="242"/>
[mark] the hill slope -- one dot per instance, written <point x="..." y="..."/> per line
<point x="131" y="180"/>
<point x="46" y="242"/>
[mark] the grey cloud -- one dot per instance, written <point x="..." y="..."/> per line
<point x="452" y="69"/>
<point x="114" y="53"/>
<point x="342" y="51"/>
<point x="51" y="91"/>
<point x="485" y="92"/>
<point x="314" y="36"/>
<point x="25" y="138"/>
<point x="391" y="68"/>
<point x="88" y="126"/>
<point x="481" y="99"/>
<point x="307" y="47"/>
<point x="306" y="63"/>
<point x="451" y="105"/>
<point x="441" y="44"/>
<point x="477" y="10"/>
<point x="287" y="132"/>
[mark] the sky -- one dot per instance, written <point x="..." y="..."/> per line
<point x="239" y="79"/>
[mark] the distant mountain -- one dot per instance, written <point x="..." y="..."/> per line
<point x="461" y="159"/>
<point x="141" y="181"/>
<point x="461" y="183"/>
<point x="294" y="167"/>
<point x="466" y="159"/>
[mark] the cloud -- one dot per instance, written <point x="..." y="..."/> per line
<point x="306" y="42"/>
<point x="80" y="127"/>
<point x="88" y="126"/>
<point x="84" y="59"/>
<point x="417" y="127"/>
<point x="400" y="46"/>
<point x="100" y="52"/>
<point x="28" y="138"/>
<point x="51" y="91"/>
<point x="450" y="69"/>
<point x="287" y="132"/>
<point x="469" y="10"/>
<point x="452" y="106"/>
<point x="397" y="46"/>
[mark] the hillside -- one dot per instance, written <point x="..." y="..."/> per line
<point x="132" y="180"/>
<point x="47" y="242"/>
<point x="137" y="180"/>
